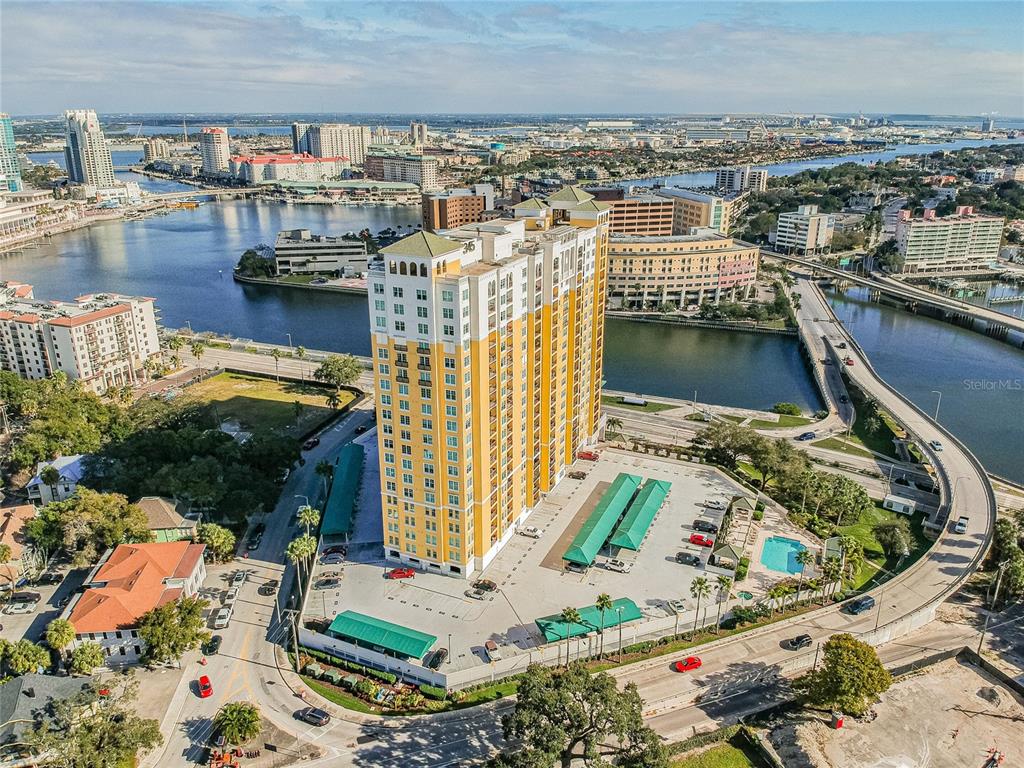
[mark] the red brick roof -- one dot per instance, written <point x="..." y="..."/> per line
<point x="297" y="159"/>
<point x="89" y="317"/>
<point x="134" y="577"/>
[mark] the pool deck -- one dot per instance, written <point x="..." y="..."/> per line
<point x="760" y="578"/>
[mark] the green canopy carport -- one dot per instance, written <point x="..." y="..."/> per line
<point x="631" y="531"/>
<point x="373" y="633"/>
<point x="622" y="610"/>
<point x="344" y="489"/>
<point x="594" y="533"/>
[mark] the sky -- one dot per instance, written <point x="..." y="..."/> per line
<point x="963" y="57"/>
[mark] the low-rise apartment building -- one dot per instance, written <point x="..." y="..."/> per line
<point x="298" y="252"/>
<point x="128" y="582"/>
<point x="456" y="207"/>
<point x="804" y="231"/>
<point x="254" y="169"/>
<point x="962" y="242"/>
<point x="102" y="340"/>
<point x="679" y="270"/>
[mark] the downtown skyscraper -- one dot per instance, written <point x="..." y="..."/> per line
<point x="10" y="171"/>
<point x="488" y="347"/>
<point x="86" y="151"/>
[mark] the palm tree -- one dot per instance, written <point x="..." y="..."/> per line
<point x="51" y="476"/>
<point x="276" y="354"/>
<point x="699" y="589"/>
<point x="569" y="616"/>
<point x="238" y="721"/>
<point x="197" y="352"/>
<point x="724" y="585"/>
<point x="774" y="594"/>
<point x="614" y="425"/>
<point x="6" y="553"/>
<point x="297" y="408"/>
<point x="325" y="469"/>
<point x="300" y="354"/>
<point x="853" y="554"/>
<point x="309" y="517"/>
<point x="333" y="400"/>
<point x="803" y="558"/>
<point x="174" y="343"/>
<point x="604" y="603"/>
<point x="832" y="570"/>
<point x="299" y="551"/>
<point x="60" y="633"/>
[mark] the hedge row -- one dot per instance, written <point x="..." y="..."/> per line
<point x="379" y="674"/>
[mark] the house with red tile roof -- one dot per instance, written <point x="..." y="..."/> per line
<point x="128" y="582"/>
<point x="12" y="523"/>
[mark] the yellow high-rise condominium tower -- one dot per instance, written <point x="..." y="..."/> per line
<point x="488" y="345"/>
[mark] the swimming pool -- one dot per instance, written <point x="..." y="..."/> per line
<point x="779" y="554"/>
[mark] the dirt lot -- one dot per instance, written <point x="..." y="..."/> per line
<point x="950" y="716"/>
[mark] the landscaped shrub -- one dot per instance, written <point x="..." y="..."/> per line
<point x="759" y="514"/>
<point x="366" y="688"/>
<point x="433" y="692"/>
<point x="742" y="568"/>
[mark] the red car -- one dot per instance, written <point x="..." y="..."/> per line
<point x="587" y="455"/>
<point x="688" y="664"/>
<point x="701" y="540"/>
<point x="400" y="573"/>
<point x="205" y="687"/>
<point x="848" y="361"/>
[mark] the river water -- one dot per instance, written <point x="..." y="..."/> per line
<point x="184" y="259"/>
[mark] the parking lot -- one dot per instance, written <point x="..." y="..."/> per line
<point x="52" y="599"/>
<point x="530" y="584"/>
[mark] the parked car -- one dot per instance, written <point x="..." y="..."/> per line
<point x="860" y="605"/>
<point x="701" y="540"/>
<point x="806" y="436"/>
<point x="620" y="566"/>
<point x="16" y="607"/>
<point x="239" y="578"/>
<point x="587" y="455"/>
<point x="400" y="573"/>
<point x="687" y="558"/>
<point x="492" y="650"/>
<point x="334" y="549"/>
<point x="205" y="687"/>
<point x="476" y="594"/>
<point x="438" y="658"/>
<point x="267" y="588"/>
<point x="327" y="584"/>
<point x="49" y="578"/>
<point x="530" y="531"/>
<point x="231" y="596"/>
<point x="212" y="646"/>
<point x="800" y="641"/>
<point x="677" y="606"/>
<point x="705" y="526"/>
<point x="688" y="664"/>
<point x="313" y="716"/>
<point x="577" y="475"/>
<point x="935" y="445"/>
<point x="222" y="618"/>
<point x="485" y="584"/>
<point x="254" y="542"/>
<point x="715" y="504"/>
<point x="335" y="558"/>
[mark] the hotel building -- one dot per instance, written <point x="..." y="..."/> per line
<point x="963" y="241"/>
<point x="447" y="210"/>
<point x="681" y="270"/>
<point x="488" y="346"/>
<point x="215" y="149"/>
<point x="421" y="170"/>
<point x="102" y="340"/>
<point x="331" y="140"/>
<point x="254" y="169"/>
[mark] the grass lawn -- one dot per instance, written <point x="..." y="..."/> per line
<point x="348" y="701"/>
<point x="718" y="756"/>
<point x="783" y="422"/>
<point x="651" y="407"/>
<point x="835" y="444"/>
<point x="874" y="556"/>
<point x="300" y="279"/>
<point x="260" y="403"/>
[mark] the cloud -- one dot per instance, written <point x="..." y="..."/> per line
<point x="500" y="57"/>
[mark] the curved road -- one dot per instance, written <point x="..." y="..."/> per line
<point x="737" y="671"/>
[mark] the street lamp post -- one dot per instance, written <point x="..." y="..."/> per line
<point x="937" y="404"/>
<point x="289" y="340"/>
<point x="618" y="612"/>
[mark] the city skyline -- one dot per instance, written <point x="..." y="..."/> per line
<point x="650" y="58"/>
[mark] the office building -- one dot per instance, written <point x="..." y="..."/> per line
<point x="962" y="242"/>
<point x="456" y="207"/>
<point x="155" y="149"/>
<point x="679" y="270"/>
<point x="699" y="209"/>
<point x="644" y="214"/>
<point x="10" y="169"/>
<point x="394" y="166"/>
<point x="298" y="252"/>
<point x="745" y="179"/>
<point x="488" y="346"/>
<point x="331" y="140"/>
<point x="128" y="582"/>
<point x="717" y="135"/>
<point x="215" y="149"/>
<point x="101" y="340"/>
<point x="804" y="231"/>
<point x="254" y="169"/>
<point x="86" y="151"/>
<point x="418" y="134"/>
<point x="988" y="124"/>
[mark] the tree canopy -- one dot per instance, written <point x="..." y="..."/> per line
<point x="849" y="679"/>
<point x="562" y="715"/>
<point x="338" y="370"/>
<point x="172" y="629"/>
<point x="238" y="721"/>
<point x="219" y="541"/>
